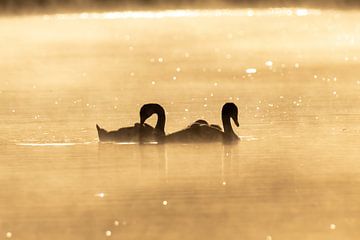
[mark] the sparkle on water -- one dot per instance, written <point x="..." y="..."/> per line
<point x="186" y="13"/>
<point x="269" y="63"/>
<point x="250" y="70"/>
<point x="108" y="233"/>
<point x="100" y="195"/>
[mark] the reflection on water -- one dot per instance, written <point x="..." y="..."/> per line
<point x="294" y="175"/>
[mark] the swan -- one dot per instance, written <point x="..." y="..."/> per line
<point x="201" y="131"/>
<point x="140" y="132"/>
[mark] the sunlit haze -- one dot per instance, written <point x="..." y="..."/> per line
<point x="72" y="80"/>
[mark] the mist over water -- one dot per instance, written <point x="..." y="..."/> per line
<point x="292" y="73"/>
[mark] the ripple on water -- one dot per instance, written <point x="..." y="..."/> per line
<point x="57" y="144"/>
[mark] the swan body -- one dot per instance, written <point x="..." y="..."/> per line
<point x="201" y="131"/>
<point x="140" y="132"/>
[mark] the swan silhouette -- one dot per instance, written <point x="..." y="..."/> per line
<point x="201" y="131"/>
<point x="140" y="132"/>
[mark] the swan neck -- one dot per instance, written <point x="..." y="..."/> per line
<point x="227" y="124"/>
<point x="160" y="125"/>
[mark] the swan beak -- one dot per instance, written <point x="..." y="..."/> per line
<point x="236" y="122"/>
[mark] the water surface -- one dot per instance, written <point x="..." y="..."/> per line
<point x="293" y="73"/>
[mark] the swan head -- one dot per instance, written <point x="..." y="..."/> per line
<point x="147" y="110"/>
<point x="230" y="110"/>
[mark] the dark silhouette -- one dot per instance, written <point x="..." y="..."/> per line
<point x="140" y="132"/>
<point x="201" y="131"/>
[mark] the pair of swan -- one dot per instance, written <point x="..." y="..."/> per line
<point x="199" y="131"/>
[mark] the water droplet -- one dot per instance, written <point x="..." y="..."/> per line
<point x="186" y="110"/>
<point x="8" y="234"/>
<point x="224" y="183"/>
<point x="297" y="65"/>
<point x="160" y="60"/>
<point x="178" y="69"/>
<point x="108" y="233"/>
<point x="164" y="202"/>
<point x="153" y="82"/>
<point x="174" y="77"/>
<point x="332" y="226"/>
<point x="116" y="223"/>
<point x="268" y="238"/>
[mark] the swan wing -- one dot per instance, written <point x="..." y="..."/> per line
<point x="196" y="133"/>
<point x="126" y="134"/>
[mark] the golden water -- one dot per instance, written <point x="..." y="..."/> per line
<point x="293" y="73"/>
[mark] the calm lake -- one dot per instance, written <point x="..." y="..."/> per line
<point x="293" y="73"/>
